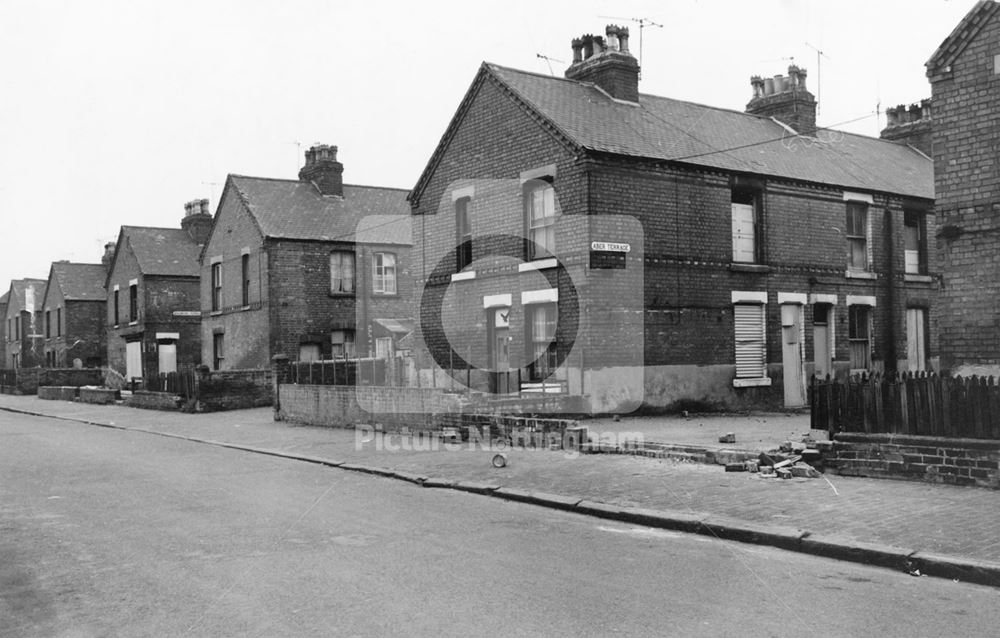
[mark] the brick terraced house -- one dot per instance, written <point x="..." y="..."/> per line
<point x="288" y="270"/>
<point x="3" y="327"/>
<point x="73" y="315"/>
<point x="153" y="314"/>
<point x="23" y="324"/>
<point x="964" y="74"/>
<point x="770" y="250"/>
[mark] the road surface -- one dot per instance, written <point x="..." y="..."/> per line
<point x="113" y="533"/>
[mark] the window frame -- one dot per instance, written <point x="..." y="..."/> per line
<point x="59" y="321"/>
<point x="216" y="286"/>
<point x="545" y="223"/>
<point x="133" y="303"/>
<point x="117" y="308"/>
<point x="853" y="208"/>
<point x="348" y="338"/>
<point x="343" y="257"/>
<point x="48" y="324"/>
<point x="382" y="273"/>
<point x="915" y="220"/>
<point x="753" y="197"/>
<point x="541" y="351"/>
<point x="463" y="234"/>
<point x="218" y="350"/>
<point x="854" y="322"/>
<point x="245" y="279"/>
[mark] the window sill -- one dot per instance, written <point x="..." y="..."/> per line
<point x="381" y="295"/>
<point x="215" y="313"/>
<point x="751" y="383"/>
<point x="747" y="267"/>
<point x="860" y="274"/>
<point x="133" y="323"/>
<point x="349" y="295"/>
<point x="463" y="276"/>
<point x="918" y="278"/>
<point x="538" y="264"/>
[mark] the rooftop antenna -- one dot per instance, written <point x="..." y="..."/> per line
<point x="211" y="189"/>
<point x="819" y="91"/>
<point x="549" y="61"/>
<point x="298" y="153"/>
<point x="643" y="23"/>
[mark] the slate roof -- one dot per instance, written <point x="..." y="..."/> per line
<point x="292" y="209"/>
<point x="3" y="297"/>
<point x="163" y="251"/>
<point x="79" y="282"/>
<point x="667" y="129"/>
<point x="961" y="36"/>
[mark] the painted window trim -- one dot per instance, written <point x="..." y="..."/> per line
<point x="462" y="193"/>
<point x="541" y="172"/>
<point x="799" y="298"/>
<point x="816" y="298"/>
<point x="545" y="295"/>
<point x="465" y="275"/>
<point x="861" y="300"/>
<point x="497" y="301"/>
<point x="749" y="296"/>
<point x="537" y="264"/>
<point x="851" y="196"/>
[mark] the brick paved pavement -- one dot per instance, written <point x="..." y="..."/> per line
<point x="951" y="520"/>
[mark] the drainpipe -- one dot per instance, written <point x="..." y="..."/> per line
<point x="891" y="360"/>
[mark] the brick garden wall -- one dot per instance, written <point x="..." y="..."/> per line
<point x="923" y="458"/>
<point x="234" y="390"/>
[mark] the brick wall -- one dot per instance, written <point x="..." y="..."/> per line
<point x="234" y="389"/>
<point x="341" y="406"/>
<point x="82" y="334"/>
<point x="967" y="184"/>
<point x="685" y="217"/>
<point x="923" y="458"/>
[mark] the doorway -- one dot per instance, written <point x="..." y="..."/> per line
<point x="133" y="360"/>
<point x="916" y="339"/>
<point x="792" y="360"/>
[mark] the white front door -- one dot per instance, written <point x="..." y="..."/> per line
<point x="168" y="356"/>
<point x="133" y="359"/>
<point x="822" y="316"/>
<point x="916" y="348"/>
<point x="791" y="355"/>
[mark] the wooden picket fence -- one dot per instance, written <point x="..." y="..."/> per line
<point x="921" y="404"/>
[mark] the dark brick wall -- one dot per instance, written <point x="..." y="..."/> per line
<point x="82" y="334"/>
<point x="3" y="335"/>
<point x="159" y="298"/>
<point x="290" y="298"/>
<point x="921" y="458"/>
<point x="685" y="214"/>
<point x="967" y="177"/>
<point x="235" y="389"/>
<point x="30" y="348"/>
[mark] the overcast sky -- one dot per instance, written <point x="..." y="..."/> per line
<point x="119" y="112"/>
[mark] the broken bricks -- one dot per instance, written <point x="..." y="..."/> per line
<point x="728" y="437"/>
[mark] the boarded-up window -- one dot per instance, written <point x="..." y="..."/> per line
<point x="744" y="233"/>
<point x="913" y="250"/>
<point x="750" y="346"/>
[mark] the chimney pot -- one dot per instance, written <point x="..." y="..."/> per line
<point x="577" y="50"/>
<point x="623" y="39"/>
<point x="323" y="170"/>
<point x="612" y="34"/>
<point x="785" y="99"/>
<point x="617" y="74"/>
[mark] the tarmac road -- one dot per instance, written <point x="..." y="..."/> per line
<point x="110" y="532"/>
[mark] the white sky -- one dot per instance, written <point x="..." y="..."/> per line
<point x="119" y="112"/>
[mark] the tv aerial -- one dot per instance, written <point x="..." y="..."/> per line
<point x="643" y="23"/>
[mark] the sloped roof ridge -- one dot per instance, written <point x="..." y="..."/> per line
<point x="963" y="33"/>
<point x="297" y="181"/>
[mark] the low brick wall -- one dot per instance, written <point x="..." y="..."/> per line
<point x="414" y="409"/>
<point x="102" y="396"/>
<point x="923" y="458"/>
<point x="71" y="376"/>
<point x="234" y="390"/>
<point x="148" y="400"/>
<point x="58" y="392"/>
<point x="347" y="406"/>
<point x="30" y="379"/>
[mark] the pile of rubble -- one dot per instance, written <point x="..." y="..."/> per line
<point x="790" y="460"/>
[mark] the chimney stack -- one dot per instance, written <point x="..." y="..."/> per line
<point x="197" y="220"/>
<point x="786" y="99"/>
<point x="109" y="255"/>
<point x="323" y="170"/>
<point x="607" y="63"/>
<point x="911" y="125"/>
